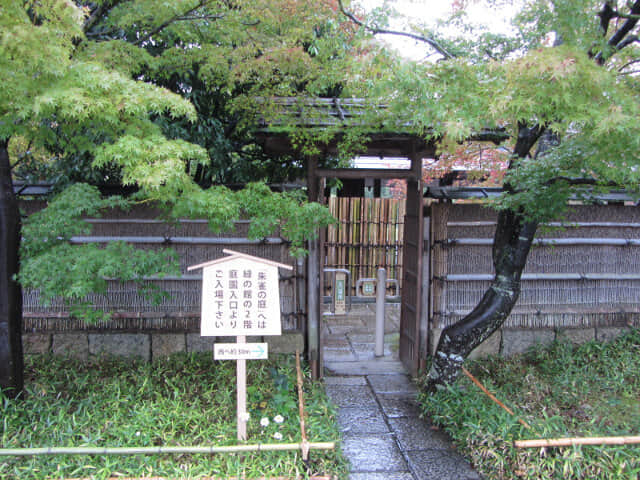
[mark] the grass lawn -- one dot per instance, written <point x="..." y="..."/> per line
<point x="562" y="390"/>
<point x="185" y="400"/>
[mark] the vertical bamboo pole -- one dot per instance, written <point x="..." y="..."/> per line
<point x="373" y="238"/>
<point x="344" y="225"/>
<point x="341" y="234"/>
<point x="402" y="210"/>
<point x="381" y="240"/>
<point x="303" y="432"/>
<point x="355" y="230"/>
<point x="362" y="237"/>
<point x="331" y="235"/>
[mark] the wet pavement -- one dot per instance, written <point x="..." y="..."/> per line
<point x="383" y="435"/>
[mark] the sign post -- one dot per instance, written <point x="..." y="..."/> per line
<point x="241" y="392"/>
<point x="240" y="298"/>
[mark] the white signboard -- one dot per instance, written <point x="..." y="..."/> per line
<point x="240" y="351"/>
<point x="240" y="297"/>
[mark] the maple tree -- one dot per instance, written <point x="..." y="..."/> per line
<point x="562" y="85"/>
<point x="160" y="96"/>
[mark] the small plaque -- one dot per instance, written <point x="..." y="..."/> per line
<point x="340" y="298"/>
<point x="240" y="351"/>
<point x="369" y="288"/>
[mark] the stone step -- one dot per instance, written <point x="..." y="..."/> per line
<point x="368" y="367"/>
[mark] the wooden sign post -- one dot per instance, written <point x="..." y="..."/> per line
<point x="240" y="298"/>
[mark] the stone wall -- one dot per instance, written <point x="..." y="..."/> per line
<point x="147" y="346"/>
<point x="512" y="341"/>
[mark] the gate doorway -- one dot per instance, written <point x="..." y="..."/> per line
<point x="413" y="328"/>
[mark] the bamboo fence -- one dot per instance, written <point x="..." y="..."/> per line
<point x="582" y="272"/>
<point x="369" y="235"/>
<point x="130" y="308"/>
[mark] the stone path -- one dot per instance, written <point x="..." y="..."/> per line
<point x="383" y="436"/>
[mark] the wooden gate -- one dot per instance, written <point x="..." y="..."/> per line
<point x="411" y="312"/>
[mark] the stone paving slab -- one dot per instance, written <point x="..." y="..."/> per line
<point x="366" y="351"/>
<point x="440" y="464"/>
<point x="384" y="437"/>
<point x="353" y="380"/>
<point x="336" y="341"/>
<point x="351" y="395"/>
<point x="339" y="329"/>
<point x="339" y="355"/>
<point x="365" y="367"/>
<point x="369" y="453"/>
<point x="362" y="338"/>
<point x="396" y="405"/>
<point x="417" y="434"/>
<point x="381" y="476"/>
<point x="357" y="420"/>
<point x="391" y="384"/>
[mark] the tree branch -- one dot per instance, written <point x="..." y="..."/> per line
<point x="98" y="13"/>
<point x="495" y="135"/>
<point x="377" y="31"/>
<point x="527" y="138"/>
<point x="177" y="18"/>
<point x="628" y="64"/>
<point x="580" y="181"/>
<point x="22" y="156"/>
<point x="627" y="41"/>
<point x="617" y="40"/>
<point x="217" y="16"/>
<point x="606" y="14"/>
<point x="626" y="15"/>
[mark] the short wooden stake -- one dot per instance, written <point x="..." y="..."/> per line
<point x="492" y="397"/>
<point x="303" y="431"/>
<point x="569" y="442"/>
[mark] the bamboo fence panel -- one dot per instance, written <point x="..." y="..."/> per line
<point x="130" y="308"/>
<point x="583" y="272"/>
<point x="368" y="235"/>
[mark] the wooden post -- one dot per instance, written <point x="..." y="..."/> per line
<point x="313" y="279"/>
<point x="426" y="294"/>
<point x="241" y="393"/>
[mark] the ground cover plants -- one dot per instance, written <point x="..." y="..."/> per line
<point x="562" y="390"/>
<point x="183" y="400"/>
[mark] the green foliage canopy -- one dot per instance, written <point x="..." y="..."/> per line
<point x="133" y="92"/>
<point x="561" y="68"/>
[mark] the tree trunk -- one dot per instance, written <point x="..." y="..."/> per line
<point x="511" y="244"/>
<point x="11" y="361"/>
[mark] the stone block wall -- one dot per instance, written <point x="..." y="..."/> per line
<point x="512" y="341"/>
<point x="144" y="345"/>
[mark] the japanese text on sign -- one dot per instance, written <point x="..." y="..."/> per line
<point x="240" y="297"/>
<point x="237" y="351"/>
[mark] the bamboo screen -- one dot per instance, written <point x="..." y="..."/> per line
<point x="131" y="309"/>
<point x="581" y="272"/>
<point x="369" y="235"/>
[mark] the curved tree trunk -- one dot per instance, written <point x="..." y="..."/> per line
<point x="511" y="245"/>
<point x="11" y="361"/>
